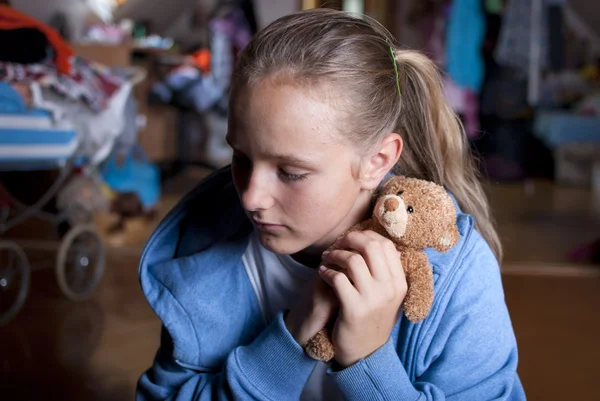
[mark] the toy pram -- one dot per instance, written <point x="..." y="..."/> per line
<point x="32" y="141"/>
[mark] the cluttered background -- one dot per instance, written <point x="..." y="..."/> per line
<point x="111" y="110"/>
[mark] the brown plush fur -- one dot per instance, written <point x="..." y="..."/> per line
<point x="415" y="214"/>
<point x="320" y="347"/>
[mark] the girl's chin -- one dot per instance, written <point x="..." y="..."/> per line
<point x="302" y="251"/>
<point x="278" y="244"/>
<point x="281" y="244"/>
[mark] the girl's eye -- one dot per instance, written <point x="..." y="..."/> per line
<point x="285" y="176"/>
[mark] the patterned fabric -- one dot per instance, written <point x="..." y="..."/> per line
<point x="86" y="82"/>
<point x="515" y="39"/>
<point x="222" y="60"/>
<point x="98" y="131"/>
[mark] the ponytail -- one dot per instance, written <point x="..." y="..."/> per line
<point x="436" y="145"/>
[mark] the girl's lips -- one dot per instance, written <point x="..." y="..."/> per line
<point x="264" y="226"/>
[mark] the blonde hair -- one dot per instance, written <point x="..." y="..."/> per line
<point x="354" y="56"/>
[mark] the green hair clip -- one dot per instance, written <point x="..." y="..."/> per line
<point x="395" y="66"/>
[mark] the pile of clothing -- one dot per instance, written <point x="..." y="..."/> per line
<point x="71" y="93"/>
<point x="201" y="87"/>
<point x="56" y="107"/>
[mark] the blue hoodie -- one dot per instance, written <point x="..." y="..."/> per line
<point x="216" y="345"/>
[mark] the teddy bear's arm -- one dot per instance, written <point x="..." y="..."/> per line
<point x="419" y="277"/>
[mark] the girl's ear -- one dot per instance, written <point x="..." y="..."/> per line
<point x="376" y="165"/>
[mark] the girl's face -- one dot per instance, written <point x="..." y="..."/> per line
<point x="294" y="173"/>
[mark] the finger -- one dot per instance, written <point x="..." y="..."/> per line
<point x="340" y="284"/>
<point x="354" y="265"/>
<point x="389" y="253"/>
<point x="394" y="259"/>
<point x="396" y="281"/>
<point x="370" y="245"/>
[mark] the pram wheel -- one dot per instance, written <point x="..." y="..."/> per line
<point x="80" y="262"/>
<point x="15" y="275"/>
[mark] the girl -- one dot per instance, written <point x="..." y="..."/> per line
<point x="323" y="106"/>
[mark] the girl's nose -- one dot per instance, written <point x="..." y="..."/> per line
<point x="257" y="195"/>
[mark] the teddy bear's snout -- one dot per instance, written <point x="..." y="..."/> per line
<point x="391" y="214"/>
<point x="391" y="204"/>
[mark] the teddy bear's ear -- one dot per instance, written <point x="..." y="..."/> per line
<point x="394" y="185"/>
<point x="448" y="239"/>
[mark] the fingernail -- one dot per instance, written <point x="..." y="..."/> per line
<point x="326" y="253"/>
<point x="322" y="268"/>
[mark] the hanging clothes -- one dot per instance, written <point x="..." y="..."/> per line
<point x="465" y="35"/>
<point x="230" y="34"/>
<point x="518" y="35"/>
<point x="13" y="19"/>
<point x="436" y="42"/>
<point x="465" y="103"/>
<point x="556" y="35"/>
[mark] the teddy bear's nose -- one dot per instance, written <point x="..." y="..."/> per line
<point x="391" y="204"/>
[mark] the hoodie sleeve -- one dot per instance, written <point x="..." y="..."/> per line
<point x="470" y="354"/>
<point x="251" y="372"/>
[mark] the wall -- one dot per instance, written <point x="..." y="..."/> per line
<point x="268" y="11"/>
<point x="75" y="10"/>
<point x="160" y="14"/>
<point x="589" y="11"/>
<point x="167" y="16"/>
<point x="181" y="28"/>
<point x="584" y="18"/>
<point x="409" y="36"/>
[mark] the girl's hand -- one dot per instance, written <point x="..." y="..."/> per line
<point x="313" y="311"/>
<point x="371" y="287"/>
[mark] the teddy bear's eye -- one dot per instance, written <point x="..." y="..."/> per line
<point x="410" y="209"/>
<point x="399" y="193"/>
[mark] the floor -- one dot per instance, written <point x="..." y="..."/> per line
<point x="57" y="349"/>
<point x="539" y="222"/>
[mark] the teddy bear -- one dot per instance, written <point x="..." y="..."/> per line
<point x="415" y="214"/>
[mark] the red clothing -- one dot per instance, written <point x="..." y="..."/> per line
<point x="13" y="19"/>
<point x="202" y="60"/>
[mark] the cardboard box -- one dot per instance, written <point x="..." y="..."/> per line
<point x="109" y="55"/>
